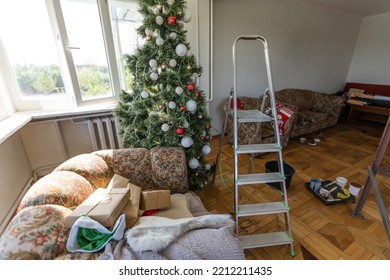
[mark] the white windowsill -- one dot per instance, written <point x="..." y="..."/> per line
<point x="12" y="124"/>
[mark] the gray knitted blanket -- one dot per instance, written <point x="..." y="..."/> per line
<point x="200" y="244"/>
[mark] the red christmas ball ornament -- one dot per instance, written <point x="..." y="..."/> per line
<point x="164" y="67"/>
<point x="179" y="131"/>
<point x="171" y="20"/>
<point x="161" y="106"/>
<point x="190" y="87"/>
<point x="208" y="126"/>
<point x="182" y="108"/>
<point x="202" y="137"/>
<point x="198" y="94"/>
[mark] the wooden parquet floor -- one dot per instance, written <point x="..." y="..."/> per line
<point x="320" y="231"/>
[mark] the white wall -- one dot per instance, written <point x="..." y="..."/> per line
<point x="15" y="172"/>
<point x="371" y="60"/>
<point x="310" y="47"/>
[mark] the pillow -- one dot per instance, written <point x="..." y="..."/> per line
<point x="63" y="188"/>
<point x="239" y="105"/>
<point x="91" y="167"/>
<point x="131" y="163"/>
<point x="36" y="233"/>
<point x="169" y="169"/>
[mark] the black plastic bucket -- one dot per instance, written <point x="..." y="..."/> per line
<point x="273" y="166"/>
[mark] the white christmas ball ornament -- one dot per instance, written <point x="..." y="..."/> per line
<point x="187" y="16"/>
<point x="172" y="62"/>
<point x="179" y="90"/>
<point x="187" y="142"/>
<point x="181" y="50"/>
<point x="148" y="31"/>
<point x="193" y="163"/>
<point x="159" y="20"/>
<point x="165" y="127"/>
<point x="172" y="105"/>
<point x="191" y="105"/>
<point x="207" y="166"/>
<point x="172" y="35"/>
<point x="144" y="94"/>
<point x="160" y="41"/>
<point x="206" y="149"/>
<point x="152" y="63"/>
<point x="186" y="124"/>
<point x="154" y="76"/>
<point x="170" y="2"/>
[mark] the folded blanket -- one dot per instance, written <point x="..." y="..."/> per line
<point x="153" y="233"/>
<point x="201" y="244"/>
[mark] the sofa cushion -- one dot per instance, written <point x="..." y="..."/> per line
<point x="91" y="167"/>
<point x="36" y="232"/>
<point x="132" y="163"/>
<point x="63" y="188"/>
<point x="308" y="116"/>
<point x="169" y="169"/>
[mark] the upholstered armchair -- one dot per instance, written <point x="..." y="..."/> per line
<point x="247" y="131"/>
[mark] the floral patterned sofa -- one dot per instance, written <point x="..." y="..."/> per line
<point x="313" y="111"/>
<point x="38" y="229"/>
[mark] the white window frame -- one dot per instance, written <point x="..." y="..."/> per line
<point x="73" y="98"/>
<point x="67" y="51"/>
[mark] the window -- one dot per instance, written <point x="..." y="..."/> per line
<point x="125" y="19"/>
<point x="60" y="50"/>
<point x="30" y="47"/>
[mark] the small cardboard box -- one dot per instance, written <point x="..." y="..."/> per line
<point x="155" y="199"/>
<point x="104" y="206"/>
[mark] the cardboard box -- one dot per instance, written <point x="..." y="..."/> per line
<point x="155" y="199"/>
<point x="104" y="206"/>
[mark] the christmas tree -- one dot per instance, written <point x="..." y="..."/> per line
<point x="164" y="106"/>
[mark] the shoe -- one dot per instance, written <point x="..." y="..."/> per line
<point x="312" y="142"/>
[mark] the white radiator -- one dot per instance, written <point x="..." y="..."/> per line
<point x="104" y="132"/>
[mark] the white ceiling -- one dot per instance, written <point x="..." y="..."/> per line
<point x="356" y="7"/>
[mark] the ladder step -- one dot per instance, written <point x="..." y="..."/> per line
<point x="265" y="239"/>
<point x="258" y="148"/>
<point x="261" y="209"/>
<point x="251" y="116"/>
<point x="260" y="178"/>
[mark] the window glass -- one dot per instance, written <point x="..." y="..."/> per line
<point x="30" y="47"/>
<point x="84" y="31"/>
<point x="125" y="20"/>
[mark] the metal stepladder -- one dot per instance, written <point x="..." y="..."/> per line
<point x="283" y="237"/>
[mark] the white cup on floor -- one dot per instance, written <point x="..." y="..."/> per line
<point x="354" y="188"/>
<point x="341" y="181"/>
